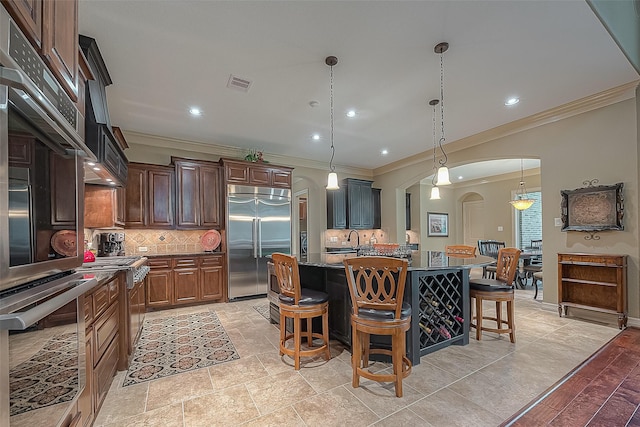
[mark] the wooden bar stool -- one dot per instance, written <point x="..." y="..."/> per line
<point x="298" y="303"/>
<point x="376" y="286"/>
<point x="499" y="290"/>
<point x="460" y="251"/>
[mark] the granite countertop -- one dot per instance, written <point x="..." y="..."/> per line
<point x="420" y="260"/>
<point x="176" y="254"/>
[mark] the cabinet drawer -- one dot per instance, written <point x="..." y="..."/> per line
<point x="159" y="263"/>
<point x="185" y="263"/>
<point x="104" y="329"/>
<point x="100" y="299"/>
<point x="211" y="261"/>
<point x="103" y="373"/>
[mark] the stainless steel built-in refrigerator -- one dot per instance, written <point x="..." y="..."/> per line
<point x="258" y="224"/>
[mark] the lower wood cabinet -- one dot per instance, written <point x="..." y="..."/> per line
<point x="103" y="344"/>
<point x="180" y="279"/>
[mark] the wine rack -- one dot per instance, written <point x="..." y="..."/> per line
<point x="441" y="318"/>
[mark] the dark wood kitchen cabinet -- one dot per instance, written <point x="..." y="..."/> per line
<point x="149" y="196"/>
<point x="180" y="279"/>
<point x="256" y="174"/>
<point x="186" y="277"/>
<point x="63" y="199"/>
<point x="198" y="194"/>
<point x="159" y="282"/>
<point x="52" y="28"/>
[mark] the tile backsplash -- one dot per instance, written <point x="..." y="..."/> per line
<point x="156" y="241"/>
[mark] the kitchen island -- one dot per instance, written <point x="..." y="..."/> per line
<point x="437" y="288"/>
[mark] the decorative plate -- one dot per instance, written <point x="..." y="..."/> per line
<point x="210" y="240"/>
<point x="64" y="242"/>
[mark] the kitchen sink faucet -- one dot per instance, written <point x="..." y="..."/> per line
<point x="357" y="235"/>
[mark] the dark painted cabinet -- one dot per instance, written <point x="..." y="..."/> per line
<point x="355" y="205"/>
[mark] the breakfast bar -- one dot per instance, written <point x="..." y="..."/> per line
<point x="437" y="288"/>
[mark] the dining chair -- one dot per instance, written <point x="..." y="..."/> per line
<point x="489" y="248"/>
<point x="376" y="286"/>
<point x="498" y="290"/>
<point x="537" y="277"/>
<point x="298" y="303"/>
<point x="460" y="251"/>
<point x="534" y="264"/>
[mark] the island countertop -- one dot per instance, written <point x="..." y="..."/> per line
<point x="420" y="260"/>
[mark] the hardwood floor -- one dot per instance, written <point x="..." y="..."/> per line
<point x="602" y="391"/>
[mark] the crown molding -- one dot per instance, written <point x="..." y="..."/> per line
<point x="574" y="108"/>
<point x="218" y="150"/>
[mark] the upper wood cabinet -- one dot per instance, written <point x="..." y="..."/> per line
<point x="103" y="206"/>
<point x="52" y="28"/>
<point x="198" y="194"/>
<point x="257" y="174"/>
<point x="149" y="196"/>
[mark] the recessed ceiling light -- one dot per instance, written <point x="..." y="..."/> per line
<point x="351" y="113"/>
<point x="315" y="137"/>
<point x="384" y="152"/>
<point x="91" y="163"/>
<point x="195" y="111"/>
<point x="460" y="177"/>
<point x="512" y="101"/>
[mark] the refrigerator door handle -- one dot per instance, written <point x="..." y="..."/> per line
<point x="260" y="237"/>
<point x="254" y="239"/>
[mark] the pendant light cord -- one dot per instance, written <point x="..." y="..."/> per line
<point x="333" y="150"/>
<point x="435" y="168"/>
<point x="442" y="161"/>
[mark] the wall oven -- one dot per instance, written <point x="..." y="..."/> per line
<point x="41" y="145"/>
<point x="41" y="226"/>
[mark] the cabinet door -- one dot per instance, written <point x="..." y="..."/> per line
<point x="159" y="285"/>
<point x="185" y="285"/>
<point x="237" y="173"/>
<point x="63" y="196"/>
<point x="99" y="206"/>
<point x="340" y="306"/>
<point x="188" y="195"/>
<point x="120" y="205"/>
<point x="28" y="15"/>
<point x="60" y="42"/>
<point x="212" y="278"/>
<point x="210" y="196"/>
<point x="160" y="199"/>
<point x="260" y="176"/>
<point x="377" y="208"/>
<point x="85" y="401"/>
<point x="336" y="209"/>
<point x="135" y="197"/>
<point x="280" y="178"/>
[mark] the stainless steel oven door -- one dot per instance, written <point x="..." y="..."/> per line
<point x="42" y="352"/>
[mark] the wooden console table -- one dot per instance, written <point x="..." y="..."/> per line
<point x="594" y="282"/>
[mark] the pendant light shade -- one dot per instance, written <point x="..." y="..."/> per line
<point x="521" y="201"/>
<point x="435" y="193"/>
<point x="443" y="176"/>
<point x="332" y="179"/>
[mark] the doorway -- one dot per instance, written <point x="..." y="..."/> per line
<point x="473" y="220"/>
<point x="300" y="223"/>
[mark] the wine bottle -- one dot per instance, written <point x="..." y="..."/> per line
<point x="459" y="319"/>
<point x="443" y="331"/>
<point x="425" y="328"/>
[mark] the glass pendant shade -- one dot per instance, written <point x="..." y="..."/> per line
<point x="522" y="204"/>
<point x="435" y="193"/>
<point x="443" y="176"/>
<point x="332" y="181"/>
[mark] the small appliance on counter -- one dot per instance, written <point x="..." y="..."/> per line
<point x="111" y="244"/>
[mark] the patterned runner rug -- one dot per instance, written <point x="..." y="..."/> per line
<point x="48" y="378"/>
<point x="179" y="344"/>
<point x="263" y="310"/>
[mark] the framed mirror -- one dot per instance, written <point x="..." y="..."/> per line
<point x="593" y="208"/>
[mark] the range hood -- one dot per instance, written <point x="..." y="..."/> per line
<point x="111" y="167"/>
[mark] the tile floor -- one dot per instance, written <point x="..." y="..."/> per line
<point x="480" y="384"/>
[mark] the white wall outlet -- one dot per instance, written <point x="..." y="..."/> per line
<point x="500" y="228"/>
<point x="333" y="239"/>
<point x="344" y="243"/>
<point x="557" y="222"/>
<point x="142" y="249"/>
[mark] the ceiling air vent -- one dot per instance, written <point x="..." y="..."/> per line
<point x="238" y="83"/>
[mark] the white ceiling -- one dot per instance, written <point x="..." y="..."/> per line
<point x="165" y="56"/>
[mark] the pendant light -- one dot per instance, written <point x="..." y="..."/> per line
<point x="521" y="201"/>
<point x="332" y="179"/>
<point x="435" y="191"/>
<point x="443" y="171"/>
